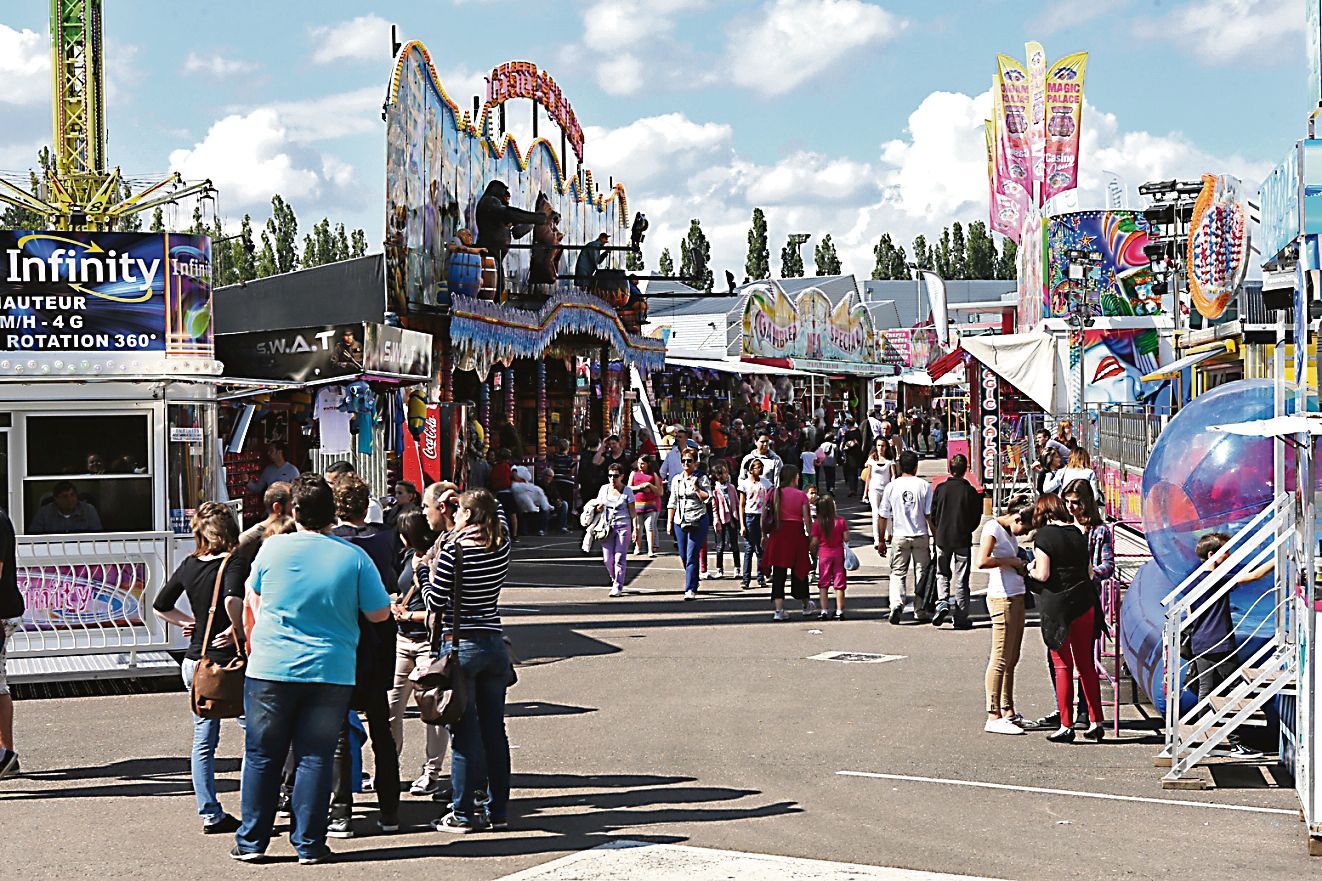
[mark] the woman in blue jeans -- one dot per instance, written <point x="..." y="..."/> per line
<point x="216" y="535"/>
<point x="687" y="518"/>
<point x="479" y="749"/>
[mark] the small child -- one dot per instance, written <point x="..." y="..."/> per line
<point x="812" y="549"/>
<point x="829" y="534"/>
<point x="724" y="518"/>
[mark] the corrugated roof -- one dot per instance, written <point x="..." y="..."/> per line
<point x="911" y="297"/>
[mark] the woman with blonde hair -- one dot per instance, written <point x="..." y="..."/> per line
<point x="1079" y="467"/>
<point x="216" y="534"/>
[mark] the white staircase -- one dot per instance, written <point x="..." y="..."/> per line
<point x="1193" y="736"/>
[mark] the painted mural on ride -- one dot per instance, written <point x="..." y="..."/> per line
<point x="808" y="327"/>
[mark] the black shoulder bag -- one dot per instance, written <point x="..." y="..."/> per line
<point x="441" y="691"/>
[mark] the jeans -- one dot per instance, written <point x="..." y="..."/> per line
<point x="1077" y="654"/>
<point x="904" y="550"/>
<point x="727" y="538"/>
<point x="385" y="755"/>
<point x="202" y="761"/>
<point x="1007" y="617"/>
<point x="851" y="477"/>
<point x="615" y="551"/>
<point x="408" y="654"/>
<point x="828" y="476"/>
<point x="752" y="545"/>
<point x="480" y="751"/>
<point x="690" y="540"/>
<point x="952" y="580"/>
<point x="306" y="716"/>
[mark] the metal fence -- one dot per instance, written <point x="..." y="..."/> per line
<point x="91" y="595"/>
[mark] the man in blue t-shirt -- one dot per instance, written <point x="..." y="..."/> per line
<point x="301" y="672"/>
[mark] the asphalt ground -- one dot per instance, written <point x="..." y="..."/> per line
<point x="703" y="723"/>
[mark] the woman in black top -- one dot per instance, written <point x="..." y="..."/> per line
<point x="411" y="645"/>
<point x="479" y="738"/>
<point x="216" y="534"/>
<point x="1068" y="604"/>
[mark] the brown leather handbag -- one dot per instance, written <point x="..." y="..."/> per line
<point x="218" y="688"/>
<point x="440" y="689"/>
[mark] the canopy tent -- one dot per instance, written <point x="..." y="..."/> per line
<point x="1027" y="361"/>
<point x="924" y="378"/>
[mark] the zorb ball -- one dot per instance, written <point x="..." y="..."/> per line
<point x="1199" y="481"/>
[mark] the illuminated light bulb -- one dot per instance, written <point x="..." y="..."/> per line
<point x="45" y="368"/>
<point x="5" y="364"/>
<point x="32" y="365"/>
<point x="97" y="368"/>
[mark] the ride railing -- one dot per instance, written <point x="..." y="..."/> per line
<point x="91" y="594"/>
<point x="1253" y="546"/>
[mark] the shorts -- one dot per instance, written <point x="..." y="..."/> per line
<point x="807" y="480"/>
<point x="8" y="627"/>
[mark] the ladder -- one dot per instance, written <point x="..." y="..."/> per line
<point x="1271" y="670"/>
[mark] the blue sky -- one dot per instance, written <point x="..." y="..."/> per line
<point x="839" y="116"/>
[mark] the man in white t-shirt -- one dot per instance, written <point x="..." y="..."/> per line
<point x="906" y="514"/>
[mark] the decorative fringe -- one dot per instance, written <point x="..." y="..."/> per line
<point x="485" y="333"/>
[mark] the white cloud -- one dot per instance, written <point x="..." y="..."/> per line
<point x="622" y="75"/>
<point x="635" y="37"/>
<point x="795" y="40"/>
<point x="216" y="65"/>
<point x="1225" y="31"/>
<point x="365" y="38"/>
<point x="332" y="116"/>
<point x="24" y="66"/>
<point x="1064" y="15"/>
<point x="251" y="156"/>
<point x="658" y="147"/>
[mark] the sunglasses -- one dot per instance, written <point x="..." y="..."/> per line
<point x="689" y="461"/>
<point x="615" y="474"/>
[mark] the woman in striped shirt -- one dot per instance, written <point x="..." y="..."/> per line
<point x="478" y="739"/>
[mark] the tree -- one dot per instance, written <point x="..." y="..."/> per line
<point x="157" y="220"/>
<point x="981" y="251"/>
<point x="199" y="226"/>
<point x="922" y="256"/>
<point x="342" y="247"/>
<point x="633" y="262"/>
<point x="266" y="261"/>
<point x="791" y="261"/>
<point x="358" y="248"/>
<point x="758" y="264"/>
<point x="891" y="262"/>
<point x="223" y="256"/>
<point x="245" y="254"/>
<point x="129" y="222"/>
<point x="696" y="242"/>
<point x="941" y="255"/>
<point x="282" y="229"/>
<point x="666" y="265"/>
<point x="959" y="256"/>
<point x="309" y="258"/>
<point x="828" y="262"/>
<point x="1007" y="266"/>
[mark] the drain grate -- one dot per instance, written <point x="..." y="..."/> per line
<point x="856" y="657"/>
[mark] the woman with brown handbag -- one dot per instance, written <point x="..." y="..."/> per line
<point x="200" y="576"/>
<point x="475" y="575"/>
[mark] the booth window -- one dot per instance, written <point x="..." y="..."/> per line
<point x="192" y="434"/>
<point x="104" y="457"/>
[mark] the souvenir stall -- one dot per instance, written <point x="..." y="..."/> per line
<point x="539" y="342"/>
<point x="108" y="384"/>
<point x="341" y="392"/>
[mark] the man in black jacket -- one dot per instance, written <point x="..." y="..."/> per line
<point x="957" y="512"/>
<point x="499" y="223"/>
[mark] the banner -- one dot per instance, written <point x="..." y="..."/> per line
<point x="1064" y="111"/>
<point x="1218" y="251"/>
<point x="67" y="596"/>
<point x="1014" y="162"/>
<point x="396" y="351"/>
<point x="105" y="292"/>
<point x="1037" y="119"/>
<point x="1003" y="212"/>
<point x="808" y="327"/>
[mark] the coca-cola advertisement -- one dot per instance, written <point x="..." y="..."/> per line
<point x="444" y="443"/>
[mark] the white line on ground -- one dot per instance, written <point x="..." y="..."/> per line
<point x="677" y="862"/>
<point x="1040" y="790"/>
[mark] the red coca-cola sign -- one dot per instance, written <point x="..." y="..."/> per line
<point x="431" y="443"/>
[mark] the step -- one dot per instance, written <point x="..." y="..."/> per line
<point x="1252" y="673"/>
<point x="1258" y="719"/>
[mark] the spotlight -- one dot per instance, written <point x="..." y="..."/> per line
<point x="1157" y="187"/>
<point x="1160" y="215"/>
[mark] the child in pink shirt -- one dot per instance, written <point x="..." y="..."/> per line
<point x="829" y="534"/>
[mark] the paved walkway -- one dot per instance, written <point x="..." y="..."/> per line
<point x="701" y="725"/>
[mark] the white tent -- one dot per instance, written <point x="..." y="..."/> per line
<point x="1027" y="361"/>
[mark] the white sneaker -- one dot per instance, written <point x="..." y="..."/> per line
<point x="690" y="594"/>
<point x="1002" y="726"/>
<point x="708" y="575"/>
<point x="720" y="573"/>
<point x="424" y="785"/>
<point x="617" y="592"/>
<point x="778" y="615"/>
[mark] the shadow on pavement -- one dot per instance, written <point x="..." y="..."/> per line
<point x="605" y="803"/>
<point x="134" y="777"/>
<point x="531" y="709"/>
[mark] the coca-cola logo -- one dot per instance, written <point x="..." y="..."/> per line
<point x="431" y="437"/>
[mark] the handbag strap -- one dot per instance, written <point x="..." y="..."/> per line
<point x="215" y="602"/>
<point x="456" y="597"/>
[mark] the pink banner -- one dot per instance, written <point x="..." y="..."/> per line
<point x="1003" y="212"/>
<point x="1014" y="164"/>
<point x="1037" y="110"/>
<point x="1064" y="109"/>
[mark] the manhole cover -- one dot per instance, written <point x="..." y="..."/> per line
<point x="856" y="657"/>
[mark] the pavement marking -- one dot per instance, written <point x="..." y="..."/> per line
<point x="855" y="657"/>
<point x="1105" y="796"/>
<point x="676" y="862"/>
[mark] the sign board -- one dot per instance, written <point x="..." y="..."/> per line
<point x="67" y="596"/>
<point x="105" y="292"/>
<point x="305" y="354"/>
<point x="989" y="392"/>
<point x="808" y="328"/>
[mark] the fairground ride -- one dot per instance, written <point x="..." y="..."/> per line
<point x="79" y="192"/>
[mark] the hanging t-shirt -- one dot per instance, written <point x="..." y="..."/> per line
<point x="333" y="422"/>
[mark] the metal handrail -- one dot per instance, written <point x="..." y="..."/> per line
<point x="1239" y="542"/>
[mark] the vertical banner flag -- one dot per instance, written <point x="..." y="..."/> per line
<point x="1037" y="118"/>
<point x="1014" y="164"/>
<point x="1064" y="111"/>
<point x="997" y="221"/>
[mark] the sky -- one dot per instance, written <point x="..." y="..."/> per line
<point x="846" y="117"/>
